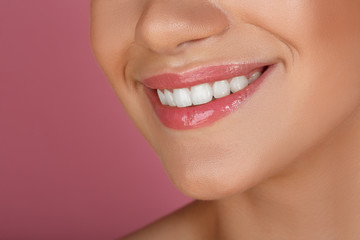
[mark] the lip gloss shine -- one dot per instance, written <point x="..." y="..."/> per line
<point x="201" y="115"/>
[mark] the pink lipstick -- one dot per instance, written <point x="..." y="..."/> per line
<point x="196" y="116"/>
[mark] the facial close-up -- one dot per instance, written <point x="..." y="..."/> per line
<point x="230" y="93"/>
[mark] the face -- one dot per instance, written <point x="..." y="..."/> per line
<point x="307" y="53"/>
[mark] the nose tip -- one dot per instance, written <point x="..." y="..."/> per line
<point x="165" y="26"/>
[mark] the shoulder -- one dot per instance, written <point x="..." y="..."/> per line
<point x="189" y="222"/>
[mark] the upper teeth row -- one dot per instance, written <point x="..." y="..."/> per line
<point x="204" y="93"/>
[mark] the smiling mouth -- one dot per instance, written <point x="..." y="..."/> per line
<point x="207" y="92"/>
<point x="202" y="96"/>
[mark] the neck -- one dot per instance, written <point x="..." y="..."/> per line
<point x="318" y="197"/>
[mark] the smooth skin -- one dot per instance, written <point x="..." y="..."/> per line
<point x="286" y="165"/>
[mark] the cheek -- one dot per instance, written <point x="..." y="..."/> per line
<point x="111" y="34"/>
<point x="112" y="30"/>
<point x="324" y="74"/>
<point x="324" y="37"/>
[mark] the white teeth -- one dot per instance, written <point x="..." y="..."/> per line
<point x="201" y="94"/>
<point x="204" y="93"/>
<point x="221" y="89"/>
<point x="162" y="97"/>
<point x="182" y="97"/>
<point x="169" y="98"/>
<point x="254" y="76"/>
<point x="238" y="83"/>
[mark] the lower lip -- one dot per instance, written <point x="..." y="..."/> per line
<point x="206" y="114"/>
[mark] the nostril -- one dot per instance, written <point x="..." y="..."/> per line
<point x="167" y="26"/>
<point x="204" y="38"/>
<point x="183" y="44"/>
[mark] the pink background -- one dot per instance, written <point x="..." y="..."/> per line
<point x="72" y="165"/>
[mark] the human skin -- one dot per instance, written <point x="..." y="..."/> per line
<point x="285" y="165"/>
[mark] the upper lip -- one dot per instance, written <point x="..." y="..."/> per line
<point x="201" y="75"/>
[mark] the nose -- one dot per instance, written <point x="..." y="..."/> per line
<point x="167" y="25"/>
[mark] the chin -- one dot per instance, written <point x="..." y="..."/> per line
<point x="202" y="173"/>
<point x="205" y="183"/>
